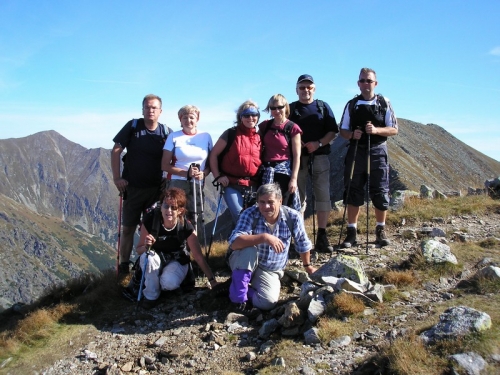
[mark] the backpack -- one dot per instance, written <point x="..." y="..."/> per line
<point x="289" y="222"/>
<point x="381" y="102"/>
<point x="285" y="131"/>
<point x="321" y="108"/>
<point x="231" y="136"/>
<point x="164" y="131"/>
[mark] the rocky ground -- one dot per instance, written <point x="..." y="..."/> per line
<point x="194" y="332"/>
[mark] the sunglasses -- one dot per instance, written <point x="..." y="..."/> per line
<point x="275" y="108"/>
<point x="302" y="88"/>
<point x="362" y="80"/>
<point x="169" y="207"/>
<point x="248" y="116"/>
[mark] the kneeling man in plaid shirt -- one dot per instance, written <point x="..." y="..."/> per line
<point x="259" y="250"/>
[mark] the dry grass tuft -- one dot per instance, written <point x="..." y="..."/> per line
<point x="408" y="355"/>
<point x="330" y="329"/>
<point x="416" y="209"/>
<point x="345" y="304"/>
<point x="480" y="285"/>
<point x="89" y="293"/>
<point x="400" y="278"/>
<point x="490" y="243"/>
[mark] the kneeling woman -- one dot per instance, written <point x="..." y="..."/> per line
<point x="168" y="265"/>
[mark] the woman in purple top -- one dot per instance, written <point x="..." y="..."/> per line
<point x="281" y="142"/>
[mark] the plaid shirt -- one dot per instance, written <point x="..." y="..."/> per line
<point x="268" y="258"/>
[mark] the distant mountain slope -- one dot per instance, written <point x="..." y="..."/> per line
<point x="54" y="176"/>
<point x="424" y="154"/>
<point x="39" y="250"/>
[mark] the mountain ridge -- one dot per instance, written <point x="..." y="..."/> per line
<point x="63" y="181"/>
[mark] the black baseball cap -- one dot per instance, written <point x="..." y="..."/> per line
<point x="305" y="77"/>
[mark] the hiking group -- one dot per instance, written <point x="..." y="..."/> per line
<point x="261" y="170"/>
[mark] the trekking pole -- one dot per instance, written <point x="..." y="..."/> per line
<point x="157" y="220"/>
<point x="194" y="199"/>
<point x="313" y="197"/>
<point x="119" y="235"/>
<point x="348" y="192"/>
<point x="143" y="276"/>
<point x="368" y="166"/>
<point x="202" y="218"/>
<point x="217" y="186"/>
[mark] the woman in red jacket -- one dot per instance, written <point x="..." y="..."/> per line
<point x="235" y="158"/>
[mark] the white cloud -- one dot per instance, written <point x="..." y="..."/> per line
<point x="495" y="51"/>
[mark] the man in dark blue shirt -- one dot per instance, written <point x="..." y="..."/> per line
<point x="319" y="128"/>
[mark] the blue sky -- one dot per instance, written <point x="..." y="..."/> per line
<point x="82" y="67"/>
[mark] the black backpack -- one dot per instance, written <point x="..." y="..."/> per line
<point x="231" y="136"/>
<point x="381" y="102"/>
<point x="286" y="131"/>
<point x="321" y="109"/>
<point x="164" y="130"/>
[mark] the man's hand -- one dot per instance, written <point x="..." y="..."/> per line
<point x="275" y="243"/>
<point x="310" y="269"/>
<point x="357" y="134"/>
<point x="311" y="146"/>
<point x="370" y="129"/>
<point x="121" y="184"/>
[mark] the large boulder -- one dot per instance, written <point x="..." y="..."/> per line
<point x="345" y="266"/>
<point x="457" y="322"/>
<point x="437" y="252"/>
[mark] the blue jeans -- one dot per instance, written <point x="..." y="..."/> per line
<point x="234" y="201"/>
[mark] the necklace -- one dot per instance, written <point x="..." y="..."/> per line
<point x="171" y="229"/>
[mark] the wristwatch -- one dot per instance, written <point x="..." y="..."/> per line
<point x="320" y="144"/>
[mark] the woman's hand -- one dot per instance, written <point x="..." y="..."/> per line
<point x="223" y="180"/>
<point x="196" y="173"/>
<point x="292" y="185"/>
<point x="149" y="241"/>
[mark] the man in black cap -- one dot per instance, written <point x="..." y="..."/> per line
<point x="316" y="119"/>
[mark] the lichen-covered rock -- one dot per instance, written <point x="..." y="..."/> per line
<point x="455" y="322"/>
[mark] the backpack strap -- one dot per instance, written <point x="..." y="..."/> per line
<point x="231" y="136"/>
<point x="321" y="108"/>
<point x="381" y="102"/>
<point x="155" y="229"/>
<point x="289" y="221"/>
<point x="287" y="130"/>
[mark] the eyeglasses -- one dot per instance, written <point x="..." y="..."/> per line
<point x="362" y="80"/>
<point x="169" y="207"/>
<point x="302" y="88"/>
<point x="248" y="116"/>
<point x="275" y="108"/>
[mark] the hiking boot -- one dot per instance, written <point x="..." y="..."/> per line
<point x="130" y="293"/>
<point x="148" y="304"/>
<point x="322" y="244"/>
<point x="238" y="308"/>
<point x="350" y="239"/>
<point x="382" y="239"/>
<point x="222" y="289"/>
<point x="245" y="308"/>
<point x="124" y="269"/>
